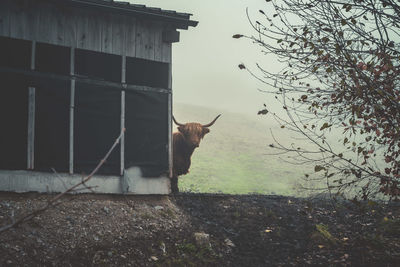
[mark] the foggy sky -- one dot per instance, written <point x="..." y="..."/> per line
<point x="205" y="61"/>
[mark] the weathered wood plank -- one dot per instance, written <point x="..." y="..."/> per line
<point x="60" y="25"/>
<point x="170" y="112"/>
<point x="31" y="116"/>
<point x="158" y="42"/>
<point x="130" y="48"/>
<point x="123" y="81"/>
<point x="46" y="25"/>
<point x="72" y="61"/>
<point x="170" y="148"/>
<point x="94" y="31"/>
<point x="33" y="55"/>
<point x="70" y="34"/>
<point x="166" y="52"/>
<point x="32" y="21"/>
<point x="122" y="159"/>
<point x="53" y="20"/>
<point x="71" y="112"/>
<point x="118" y="34"/>
<point x="68" y="26"/>
<point x="4" y="18"/>
<point x="111" y="85"/>
<point x="31" y="129"/>
<point x="145" y="39"/>
<point x="82" y="23"/>
<point x="71" y="128"/>
<point x="17" y="19"/>
<point x="106" y="34"/>
<point x="170" y="76"/>
<point x="123" y="70"/>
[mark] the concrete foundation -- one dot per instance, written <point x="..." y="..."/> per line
<point x="132" y="182"/>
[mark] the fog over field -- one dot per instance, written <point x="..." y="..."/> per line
<point x="205" y="61"/>
<point x="235" y="156"/>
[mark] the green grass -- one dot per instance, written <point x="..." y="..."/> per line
<point x="233" y="158"/>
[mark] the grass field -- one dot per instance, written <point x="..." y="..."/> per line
<point x="234" y="157"/>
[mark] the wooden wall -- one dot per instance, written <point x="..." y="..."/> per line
<point x="43" y="21"/>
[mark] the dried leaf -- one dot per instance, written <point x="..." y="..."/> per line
<point x="262" y="112"/>
<point x="325" y="125"/>
<point x="318" y="168"/>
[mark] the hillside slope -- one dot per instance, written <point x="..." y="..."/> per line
<point x="233" y="158"/>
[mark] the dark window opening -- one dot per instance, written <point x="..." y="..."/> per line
<point x="146" y="72"/>
<point x="97" y="112"/>
<point x="13" y="121"/>
<point x="97" y="123"/>
<point x="146" y="137"/>
<point x="15" y="53"/>
<point x="52" y="58"/>
<point x="98" y="65"/>
<point x="52" y="99"/>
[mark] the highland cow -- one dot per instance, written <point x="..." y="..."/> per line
<point x="185" y="141"/>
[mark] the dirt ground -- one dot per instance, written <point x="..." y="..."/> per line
<point x="198" y="230"/>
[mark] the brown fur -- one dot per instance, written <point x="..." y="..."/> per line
<point x="185" y="141"/>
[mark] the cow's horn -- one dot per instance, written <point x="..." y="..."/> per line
<point x="177" y="123"/>
<point x="211" y="123"/>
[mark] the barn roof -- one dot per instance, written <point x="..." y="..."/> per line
<point x="178" y="19"/>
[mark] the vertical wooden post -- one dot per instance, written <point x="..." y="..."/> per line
<point x="123" y="81"/>
<point x="31" y="128"/>
<point x="71" y="127"/>
<point x="31" y="116"/>
<point x="33" y="55"/>
<point x="170" y="141"/>
<point x="123" y="70"/>
<point x="72" y="62"/>
<point x="123" y="135"/>
<point x="71" y="112"/>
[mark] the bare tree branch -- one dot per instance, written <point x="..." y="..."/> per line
<point x="339" y="72"/>
<point x="54" y="201"/>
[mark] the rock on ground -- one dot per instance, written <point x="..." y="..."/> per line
<point x="198" y="230"/>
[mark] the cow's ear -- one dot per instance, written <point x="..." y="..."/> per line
<point x="180" y="129"/>
<point x="206" y="131"/>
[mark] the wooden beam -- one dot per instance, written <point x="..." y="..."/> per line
<point x="71" y="112"/>
<point x="170" y="36"/>
<point x="33" y="55"/>
<point x="31" y="129"/>
<point x="170" y="112"/>
<point x="84" y="79"/>
<point x="72" y="62"/>
<point x="123" y="135"/>
<point x="31" y="116"/>
<point x="71" y="127"/>
<point x="123" y="80"/>
<point x="123" y="70"/>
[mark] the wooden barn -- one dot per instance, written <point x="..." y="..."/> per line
<point x="73" y="73"/>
